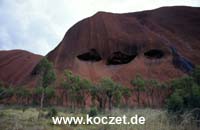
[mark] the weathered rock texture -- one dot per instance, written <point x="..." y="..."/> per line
<point x="16" y="66"/>
<point x="161" y="44"/>
<point x="158" y="44"/>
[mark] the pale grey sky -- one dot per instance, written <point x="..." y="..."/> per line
<point x="39" y="25"/>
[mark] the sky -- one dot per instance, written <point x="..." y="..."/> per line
<point x="39" y="25"/>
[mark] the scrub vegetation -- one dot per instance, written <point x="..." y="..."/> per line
<point x="108" y="98"/>
<point x="27" y="119"/>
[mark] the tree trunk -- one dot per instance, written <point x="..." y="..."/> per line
<point x="100" y="104"/>
<point x="104" y="103"/>
<point x="152" y="98"/>
<point x="126" y="101"/>
<point x="110" y="103"/>
<point x="41" y="104"/>
<point x="138" y="98"/>
<point x="42" y="99"/>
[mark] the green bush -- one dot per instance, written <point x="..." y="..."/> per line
<point x="175" y="103"/>
<point x="22" y="92"/>
<point x="186" y="94"/>
<point x="93" y="112"/>
<point x="50" y="92"/>
<point x="196" y="74"/>
<point x="6" y="92"/>
<point x="52" y="113"/>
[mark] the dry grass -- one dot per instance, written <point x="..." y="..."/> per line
<point x="16" y="119"/>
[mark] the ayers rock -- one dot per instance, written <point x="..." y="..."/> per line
<point x="16" y="66"/>
<point x="163" y="43"/>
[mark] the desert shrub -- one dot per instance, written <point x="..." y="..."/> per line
<point x="22" y="94"/>
<point x="185" y="96"/>
<point x="175" y="103"/>
<point x="49" y="93"/>
<point x="196" y="74"/>
<point x="52" y="113"/>
<point x="37" y="91"/>
<point x="2" y="89"/>
<point x="6" y="93"/>
<point x="93" y="112"/>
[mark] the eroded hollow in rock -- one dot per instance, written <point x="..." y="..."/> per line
<point x="92" y="55"/>
<point x="118" y="58"/>
<point x="154" y="54"/>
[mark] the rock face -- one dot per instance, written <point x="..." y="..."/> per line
<point x="16" y="66"/>
<point x="160" y="44"/>
<point x="123" y="45"/>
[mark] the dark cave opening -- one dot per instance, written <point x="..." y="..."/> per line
<point x="118" y="58"/>
<point x="92" y="55"/>
<point x="154" y="54"/>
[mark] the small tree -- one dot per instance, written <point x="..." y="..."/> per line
<point x="139" y="85"/>
<point x="118" y="94"/>
<point x="112" y="90"/>
<point x="50" y="93"/>
<point x="76" y="88"/>
<point x="93" y="93"/>
<point x="108" y="85"/>
<point x="196" y="74"/>
<point x="152" y="85"/>
<point x="126" y="92"/>
<point x="6" y="93"/>
<point x="85" y="86"/>
<point x="175" y="103"/>
<point x="69" y="86"/>
<point x="47" y="77"/>
<point x="37" y="93"/>
<point x="2" y="92"/>
<point x="98" y="93"/>
<point x="185" y="97"/>
<point x="22" y="94"/>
